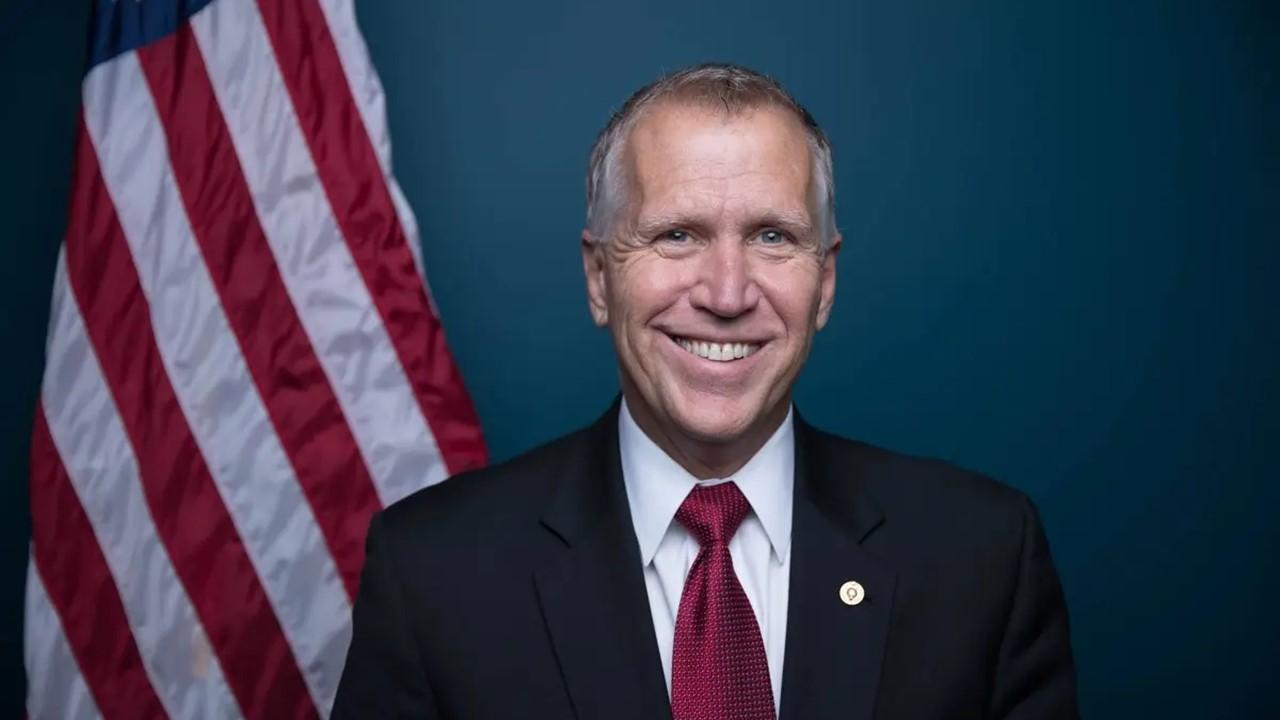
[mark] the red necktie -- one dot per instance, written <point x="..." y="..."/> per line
<point x="718" y="667"/>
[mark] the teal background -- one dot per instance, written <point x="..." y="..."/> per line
<point x="1060" y="224"/>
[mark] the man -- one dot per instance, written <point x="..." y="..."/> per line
<point x="701" y="552"/>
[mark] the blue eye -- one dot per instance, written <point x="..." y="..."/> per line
<point x="772" y="237"/>
<point x="676" y="236"/>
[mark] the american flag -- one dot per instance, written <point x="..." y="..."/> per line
<point x="243" y="365"/>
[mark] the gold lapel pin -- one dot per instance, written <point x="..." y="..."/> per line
<point x="852" y="593"/>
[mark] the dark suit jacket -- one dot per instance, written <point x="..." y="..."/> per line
<point x="516" y="591"/>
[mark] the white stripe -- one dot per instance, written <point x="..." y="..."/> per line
<point x="328" y="292"/>
<point x="96" y="452"/>
<point x="208" y="373"/>
<point x="55" y="688"/>
<point x="366" y="88"/>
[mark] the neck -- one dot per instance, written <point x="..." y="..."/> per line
<point x="702" y="458"/>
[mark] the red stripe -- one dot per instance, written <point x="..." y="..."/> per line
<point x="361" y="202"/>
<point x="81" y="589"/>
<point x="276" y="349"/>
<point x="190" y="517"/>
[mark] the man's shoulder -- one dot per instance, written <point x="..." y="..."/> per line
<point x="922" y="492"/>
<point x="498" y="497"/>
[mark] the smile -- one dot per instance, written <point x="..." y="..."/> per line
<point x="718" y="352"/>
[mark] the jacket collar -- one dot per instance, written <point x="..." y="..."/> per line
<point x="834" y="650"/>
<point x="590" y="586"/>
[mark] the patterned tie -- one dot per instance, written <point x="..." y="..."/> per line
<point x="718" y="668"/>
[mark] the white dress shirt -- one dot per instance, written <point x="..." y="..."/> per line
<point x="656" y="487"/>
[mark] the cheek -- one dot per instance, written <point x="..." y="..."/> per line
<point x="794" y="293"/>
<point x="643" y="288"/>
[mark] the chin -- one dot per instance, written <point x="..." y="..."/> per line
<point x="715" y="419"/>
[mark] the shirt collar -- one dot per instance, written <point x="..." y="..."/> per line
<point x="657" y="485"/>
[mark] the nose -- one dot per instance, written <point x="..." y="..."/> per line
<point x="725" y="287"/>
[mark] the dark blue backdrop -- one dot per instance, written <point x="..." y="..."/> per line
<point x="1060" y="224"/>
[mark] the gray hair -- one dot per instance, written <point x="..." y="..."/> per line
<point x="735" y="89"/>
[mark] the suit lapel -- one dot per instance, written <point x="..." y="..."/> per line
<point x="591" y="589"/>
<point x="834" y="651"/>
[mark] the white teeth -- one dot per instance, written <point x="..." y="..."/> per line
<point x="718" y="352"/>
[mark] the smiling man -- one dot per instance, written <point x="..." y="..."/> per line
<point x="700" y="552"/>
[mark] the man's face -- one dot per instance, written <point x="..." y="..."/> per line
<point x="713" y="279"/>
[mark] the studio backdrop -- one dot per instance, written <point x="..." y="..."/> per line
<point x="1059" y="268"/>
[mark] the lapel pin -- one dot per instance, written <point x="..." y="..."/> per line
<point x="851" y="593"/>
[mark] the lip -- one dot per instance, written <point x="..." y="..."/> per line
<point x="713" y="338"/>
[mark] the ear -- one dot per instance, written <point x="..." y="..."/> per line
<point x="593" y="267"/>
<point x="828" y="282"/>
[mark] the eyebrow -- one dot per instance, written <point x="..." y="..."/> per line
<point x="796" y="223"/>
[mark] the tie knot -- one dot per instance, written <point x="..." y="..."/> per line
<point x="712" y="513"/>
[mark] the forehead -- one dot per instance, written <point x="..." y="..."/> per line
<point x="689" y="155"/>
